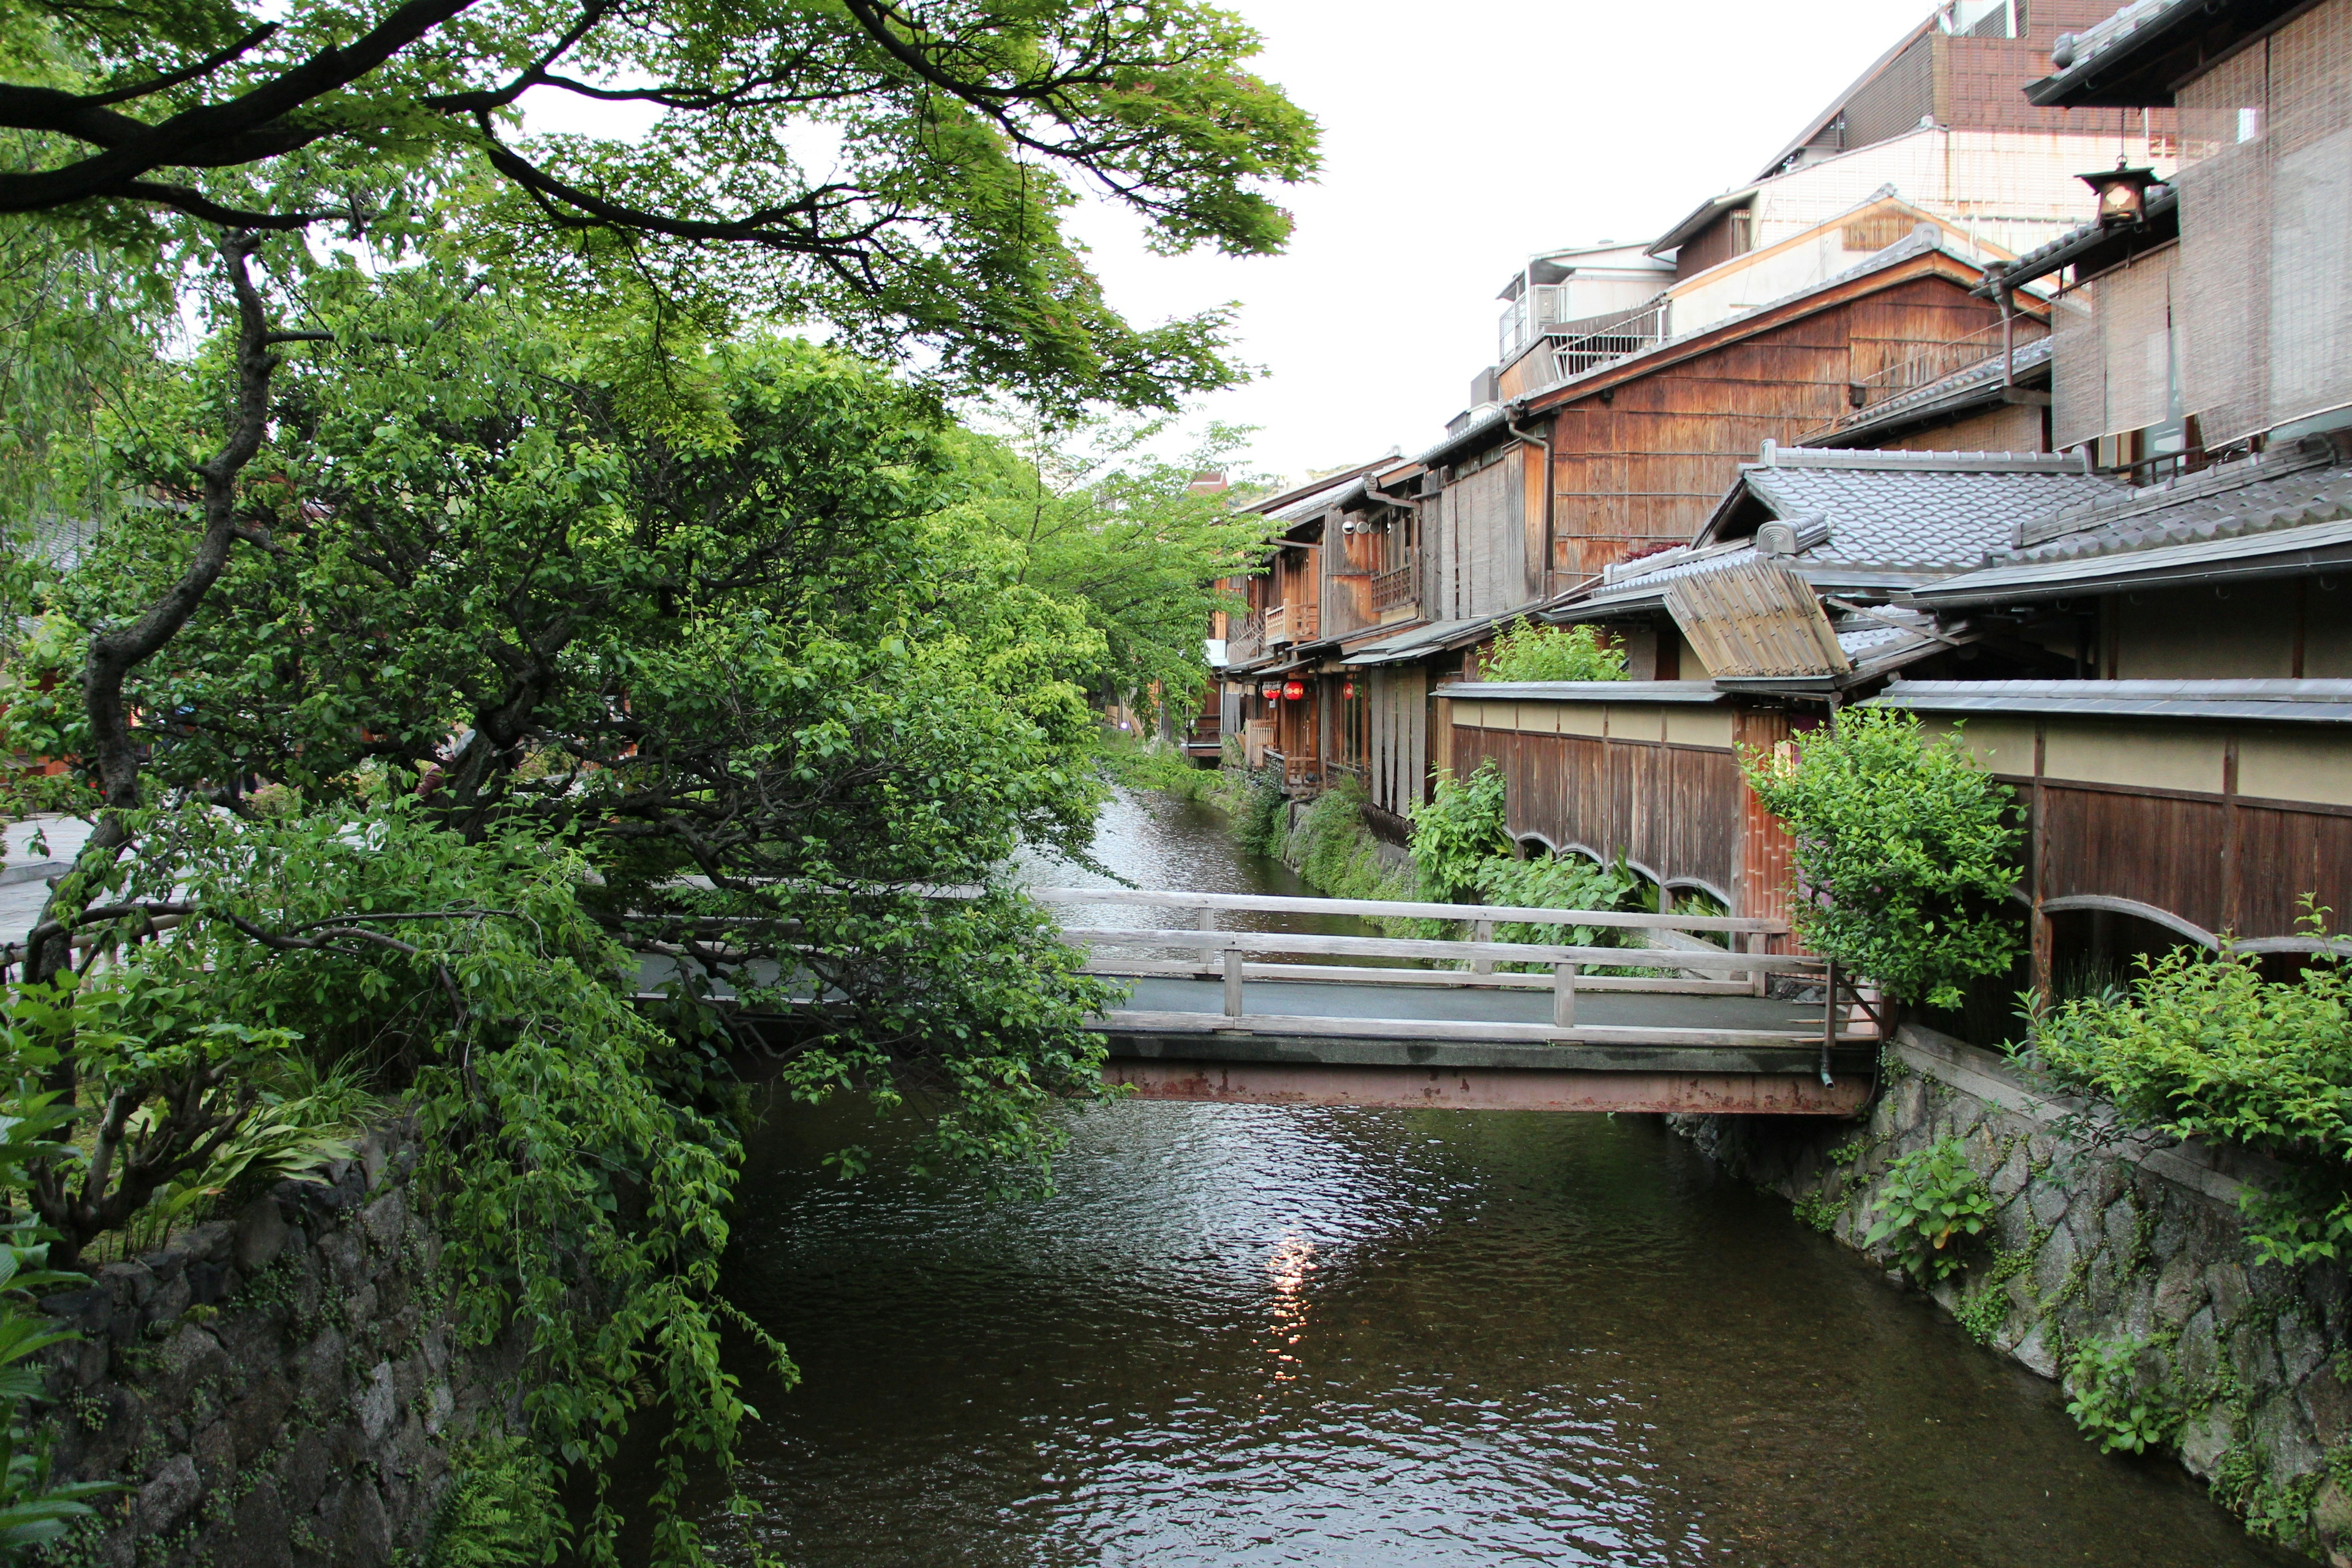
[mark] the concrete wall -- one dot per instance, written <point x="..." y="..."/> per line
<point x="2099" y="1236"/>
<point x="280" y="1391"/>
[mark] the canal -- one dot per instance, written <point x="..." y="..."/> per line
<point x="1249" y="1335"/>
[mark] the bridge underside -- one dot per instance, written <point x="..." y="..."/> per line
<point x="1321" y="1070"/>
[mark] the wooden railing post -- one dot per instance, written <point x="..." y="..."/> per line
<point x="1232" y="983"/>
<point x="1829" y="1016"/>
<point x="1563" y="995"/>
<point x="1484" y="931"/>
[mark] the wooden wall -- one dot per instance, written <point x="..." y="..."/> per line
<point x="1648" y="457"/>
<point x="1672" y="810"/>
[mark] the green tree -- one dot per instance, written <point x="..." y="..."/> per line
<point x="1906" y="852"/>
<point x="1102" y="524"/>
<point x="896" y="167"/>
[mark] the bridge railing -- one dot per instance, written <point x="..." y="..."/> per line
<point x="1675" y="946"/>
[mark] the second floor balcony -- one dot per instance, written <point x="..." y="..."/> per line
<point x="1296" y="622"/>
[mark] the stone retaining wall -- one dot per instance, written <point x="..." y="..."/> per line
<point x="2101" y="1236"/>
<point x="280" y="1391"/>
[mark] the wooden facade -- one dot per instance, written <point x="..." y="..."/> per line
<point x="1642" y="454"/>
<point x="2203" y="827"/>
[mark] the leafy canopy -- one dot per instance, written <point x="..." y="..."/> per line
<point x="1906" y="852"/>
<point x="899" y="168"/>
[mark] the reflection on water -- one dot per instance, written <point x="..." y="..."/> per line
<point x="1283" y="1336"/>
<point x="1242" y="1335"/>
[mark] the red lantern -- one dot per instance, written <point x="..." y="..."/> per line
<point x="1271" y="691"/>
<point x="1349" y="691"/>
<point x="1294" y="689"/>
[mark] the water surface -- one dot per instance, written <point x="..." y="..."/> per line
<point x="1243" y="1335"/>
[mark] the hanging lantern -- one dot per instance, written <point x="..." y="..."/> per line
<point x="1348" y="691"/>
<point x="2122" y="194"/>
<point x="1294" y="689"/>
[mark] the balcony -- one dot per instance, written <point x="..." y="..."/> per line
<point x="1246" y="640"/>
<point x="1392" y="587"/>
<point x="1292" y="622"/>
<point x="1580" y="346"/>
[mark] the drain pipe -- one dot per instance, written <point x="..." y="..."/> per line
<point x="1510" y="423"/>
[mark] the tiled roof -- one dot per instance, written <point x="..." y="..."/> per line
<point x="2283" y="504"/>
<point x="2105" y="38"/>
<point x="1877" y="518"/>
<point x="1913" y="516"/>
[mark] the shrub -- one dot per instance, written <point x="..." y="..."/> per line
<point x="2202" y="1046"/>
<point x="1905" y="850"/>
<point x="1461" y="828"/>
<point x="2120" y="1396"/>
<point x="1554" y="882"/>
<point x="1339" y="854"/>
<point x="1529" y="652"/>
<point x="1929" y="1201"/>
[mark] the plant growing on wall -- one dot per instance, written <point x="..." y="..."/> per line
<point x="2118" y="1394"/>
<point x="1906" y="852"/>
<point x="1529" y="652"/>
<point x="1929" y="1202"/>
<point x="2202" y="1046"/>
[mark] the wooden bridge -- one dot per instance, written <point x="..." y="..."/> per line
<point x="1223" y="1011"/>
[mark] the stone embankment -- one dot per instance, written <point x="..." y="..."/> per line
<point x="2103" y="1238"/>
<point x="278" y="1391"/>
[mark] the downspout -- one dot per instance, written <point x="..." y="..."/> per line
<point x="2007" y="299"/>
<point x="1510" y="423"/>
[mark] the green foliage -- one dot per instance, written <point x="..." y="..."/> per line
<point x="1929" y="1202"/>
<point x="1985" y="1312"/>
<point x="1457" y="831"/>
<point x="1904" y="850"/>
<point x="1261" y="823"/>
<point x="1138" y="762"/>
<point x="2118" y="1395"/>
<point x="1821" y="1209"/>
<point x="35" y="1508"/>
<point x="1553" y="882"/>
<point x="503" y="1511"/>
<point x="2203" y="1046"/>
<point x="1097" y="522"/>
<point x="899" y="172"/>
<point x="1338" y="853"/>
<point x="1526" y="651"/>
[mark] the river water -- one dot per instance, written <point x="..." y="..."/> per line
<point x="1244" y="1335"/>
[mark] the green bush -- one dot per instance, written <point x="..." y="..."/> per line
<point x="1457" y="831"/>
<point x="2202" y="1046"/>
<point x="1553" y="882"/>
<point x="1258" y="823"/>
<point x="1906" y="851"/>
<point x="1529" y="652"/>
<point x="1334" y="849"/>
<point x="2119" y="1399"/>
<point x="1929" y="1201"/>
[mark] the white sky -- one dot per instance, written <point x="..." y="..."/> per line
<point x="1458" y="138"/>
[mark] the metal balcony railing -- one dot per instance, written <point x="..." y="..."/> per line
<point x="1582" y="346"/>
